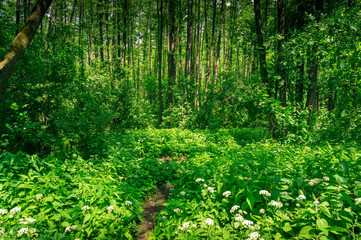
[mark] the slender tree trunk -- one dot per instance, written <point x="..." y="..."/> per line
<point x="125" y="19"/>
<point x="100" y="20"/>
<point x="299" y="84"/>
<point x="72" y="12"/>
<point x="261" y="47"/>
<point x="189" y="38"/>
<point x="218" y="50"/>
<point x="180" y="69"/>
<point x="91" y="32"/>
<point x="212" y="43"/>
<point x="172" y="73"/>
<point x="160" y="45"/>
<point x="17" y="18"/>
<point x="22" y="41"/>
<point x="280" y="51"/>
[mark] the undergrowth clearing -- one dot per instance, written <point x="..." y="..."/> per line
<point x="229" y="184"/>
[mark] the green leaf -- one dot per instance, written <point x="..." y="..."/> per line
<point x="322" y="224"/>
<point x="87" y="217"/>
<point x="287" y="227"/>
<point x="305" y="232"/>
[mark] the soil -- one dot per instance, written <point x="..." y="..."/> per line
<point x="152" y="206"/>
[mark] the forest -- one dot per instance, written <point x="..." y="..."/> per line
<point x="180" y="119"/>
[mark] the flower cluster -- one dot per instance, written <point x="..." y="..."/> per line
<point x="183" y="193"/>
<point x="26" y="220"/>
<point x="301" y="197"/>
<point x="209" y="221"/>
<point x="199" y="180"/>
<point x="265" y="192"/>
<point x="210" y="189"/>
<point x="110" y="209"/>
<point x="84" y="208"/>
<point x="253" y="236"/>
<point x="22" y="231"/>
<point x="128" y="203"/>
<point x="275" y="204"/>
<point x="15" y="209"/>
<point x="3" y="211"/>
<point x="227" y="193"/>
<point x="247" y="223"/>
<point x="234" y="208"/>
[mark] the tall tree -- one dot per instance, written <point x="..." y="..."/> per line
<point x="189" y="38"/>
<point x="160" y="47"/>
<point x="22" y="41"/>
<point x="218" y="50"/>
<point x="172" y="74"/>
<point x="261" y="47"/>
<point x="125" y="29"/>
<point x="280" y="51"/>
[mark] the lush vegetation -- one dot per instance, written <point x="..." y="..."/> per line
<point x="249" y="109"/>
<point x="240" y="180"/>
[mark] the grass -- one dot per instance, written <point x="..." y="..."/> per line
<point x="312" y="192"/>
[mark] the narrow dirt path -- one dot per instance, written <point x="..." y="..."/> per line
<point x="153" y="205"/>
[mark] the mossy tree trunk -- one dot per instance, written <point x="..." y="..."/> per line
<point x="22" y="41"/>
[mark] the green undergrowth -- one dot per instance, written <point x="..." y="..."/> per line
<point x="310" y="192"/>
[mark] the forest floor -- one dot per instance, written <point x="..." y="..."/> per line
<point x="152" y="206"/>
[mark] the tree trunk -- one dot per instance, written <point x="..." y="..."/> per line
<point x="100" y="20"/>
<point x="17" y="18"/>
<point x="261" y="47"/>
<point x="218" y="50"/>
<point x="189" y="39"/>
<point x="172" y="74"/>
<point x="125" y="19"/>
<point x="72" y="12"/>
<point x="212" y="43"/>
<point x="22" y="41"/>
<point x="160" y="45"/>
<point x="280" y="51"/>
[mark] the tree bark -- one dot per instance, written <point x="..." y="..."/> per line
<point x="212" y="44"/>
<point x="189" y="38"/>
<point x="160" y="45"/>
<point x="218" y="50"/>
<point x="261" y="47"/>
<point x="280" y="51"/>
<point x="172" y="74"/>
<point x="17" y="20"/>
<point x="125" y="19"/>
<point x="22" y="41"/>
<point x="100" y="20"/>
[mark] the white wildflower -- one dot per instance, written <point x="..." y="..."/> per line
<point x="110" y="208"/>
<point x="164" y="217"/>
<point x="67" y="229"/>
<point x="26" y="220"/>
<point x="84" y="208"/>
<point x="358" y="200"/>
<point x="181" y="228"/>
<point x="262" y="211"/>
<point x="199" y="180"/>
<point x="3" y="211"/>
<point x="298" y="205"/>
<point x="239" y="218"/>
<point x="254" y="236"/>
<point x="275" y="204"/>
<point x="183" y="193"/>
<point x="22" y="231"/>
<point x="121" y="178"/>
<point x="209" y="221"/>
<point x="265" y="192"/>
<point x="15" y="209"/>
<point x="227" y="193"/>
<point x="186" y="224"/>
<point x="39" y="196"/>
<point x="128" y="203"/>
<point x="234" y="208"/>
<point x="210" y="189"/>
<point x="177" y="210"/>
<point x="311" y="183"/>
<point x="194" y="225"/>
<point x="247" y="223"/>
<point x="302" y="197"/>
<point x="326" y="179"/>
<point x="205" y="185"/>
<point x="236" y="225"/>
